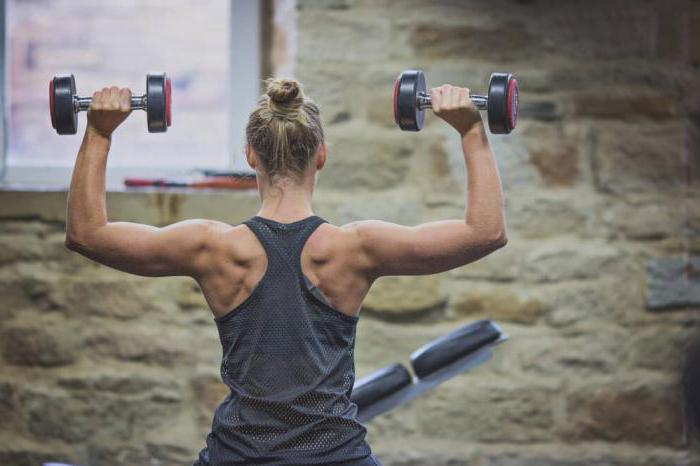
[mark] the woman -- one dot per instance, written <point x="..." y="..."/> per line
<point x="285" y="287"/>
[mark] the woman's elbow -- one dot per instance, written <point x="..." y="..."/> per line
<point x="496" y="239"/>
<point x="71" y="243"/>
<point x="75" y="242"/>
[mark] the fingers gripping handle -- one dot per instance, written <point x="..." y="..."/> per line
<point x="138" y="102"/>
<point x="424" y="101"/>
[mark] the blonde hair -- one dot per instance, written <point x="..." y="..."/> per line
<point x="285" y="130"/>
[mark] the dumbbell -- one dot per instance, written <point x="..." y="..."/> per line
<point x="64" y="103"/>
<point x="501" y="104"/>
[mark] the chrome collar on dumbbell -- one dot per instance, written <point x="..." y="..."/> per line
<point x="138" y="102"/>
<point x="480" y="101"/>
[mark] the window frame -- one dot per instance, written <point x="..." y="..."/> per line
<point x="246" y="19"/>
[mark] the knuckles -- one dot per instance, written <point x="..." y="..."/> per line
<point x="111" y="99"/>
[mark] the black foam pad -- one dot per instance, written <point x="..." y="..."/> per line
<point x="454" y="346"/>
<point x="380" y="384"/>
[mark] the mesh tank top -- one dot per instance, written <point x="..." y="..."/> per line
<point x="288" y="360"/>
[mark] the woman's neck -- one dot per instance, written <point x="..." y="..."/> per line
<point x="286" y="202"/>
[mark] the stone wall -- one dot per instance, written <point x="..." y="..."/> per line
<point x="596" y="288"/>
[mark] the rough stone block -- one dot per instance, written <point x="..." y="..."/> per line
<point x="562" y="260"/>
<point x="498" y="303"/>
<point x="661" y="347"/>
<point x="645" y="219"/>
<point x="672" y="34"/>
<point x="171" y="452"/>
<point x="25" y="454"/>
<point x="438" y="39"/>
<point x="605" y="32"/>
<point x="544" y="110"/>
<point x="120" y="454"/>
<point x="516" y="171"/>
<point x="328" y="88"/>
<point x="642" y="157"/>
<point x="16" y="247"/>
<point x="592" y="354"/>
<point x="486" y="413"/>
<point x="27" y="227"/>
<point x="694" y="39"/>
<point x="117" y="383"/>
<point x="503" y="265"/>
<point x="393" y="297"/>
<point x="328" y="5"/>
<point x="340" y="29"/>
<point x="154" y="346"/>
<point x="44" y="343"/>
<point x="358" y="161"/>
<point x="53" y="414"/>
<point x="151" y="207"/>
<point x="10" y="411"/>
<point x="578" y="303"/>
<point x="625" y="104"/>
<point x="19" y="294"/>
<point x="110" y="294"/>
<point x="673" y="282"/>
<point x="401" y="206"/>
<point x="19" y="248"/>
<point x="380" y="110"/>
<point x="553" y="153"/>
<point x="585" y="455"/>
<point x="643" y="415"/>
<point x="415" y="452"/>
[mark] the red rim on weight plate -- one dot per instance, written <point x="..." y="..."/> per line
<point x="168" y="118"/>
<point x="513" y="90"/>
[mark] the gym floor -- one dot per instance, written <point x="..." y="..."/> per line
<point x="597" y="288"/>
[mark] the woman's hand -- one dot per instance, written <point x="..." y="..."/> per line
<point x="109" y="108"/>
<point x="453" y="105"/>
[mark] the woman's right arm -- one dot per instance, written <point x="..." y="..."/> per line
<point x="391" y="249"/>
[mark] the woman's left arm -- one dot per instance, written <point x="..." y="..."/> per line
<point x="178" y="249"/>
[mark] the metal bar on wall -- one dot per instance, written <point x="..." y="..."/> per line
<point x="244" y="72"/>
<point x="3" y="93"/>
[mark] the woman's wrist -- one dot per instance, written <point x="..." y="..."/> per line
<point x="92" y="134"/>
<point x="475" y="136"/>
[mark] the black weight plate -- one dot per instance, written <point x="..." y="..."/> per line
<point x="157" y="111"/>
<point x="63" y="116"/>
<point x="406" y="89"/>
<point x="498" y="110"/>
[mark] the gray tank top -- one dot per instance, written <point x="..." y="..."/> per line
<point x="288" y="360"/>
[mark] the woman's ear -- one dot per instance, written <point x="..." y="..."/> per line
<point x="321" y="156"/>
<point x="250" y="156"/>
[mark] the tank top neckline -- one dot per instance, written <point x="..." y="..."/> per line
<point x="296" y="223"/>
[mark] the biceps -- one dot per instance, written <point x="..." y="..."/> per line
<point x="146" y="250"/>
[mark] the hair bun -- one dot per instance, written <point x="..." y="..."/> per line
<point x="284" y="91"/>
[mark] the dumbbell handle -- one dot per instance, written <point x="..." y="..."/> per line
<point x="479" y="101"/>
<point x="138" y="102"/>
